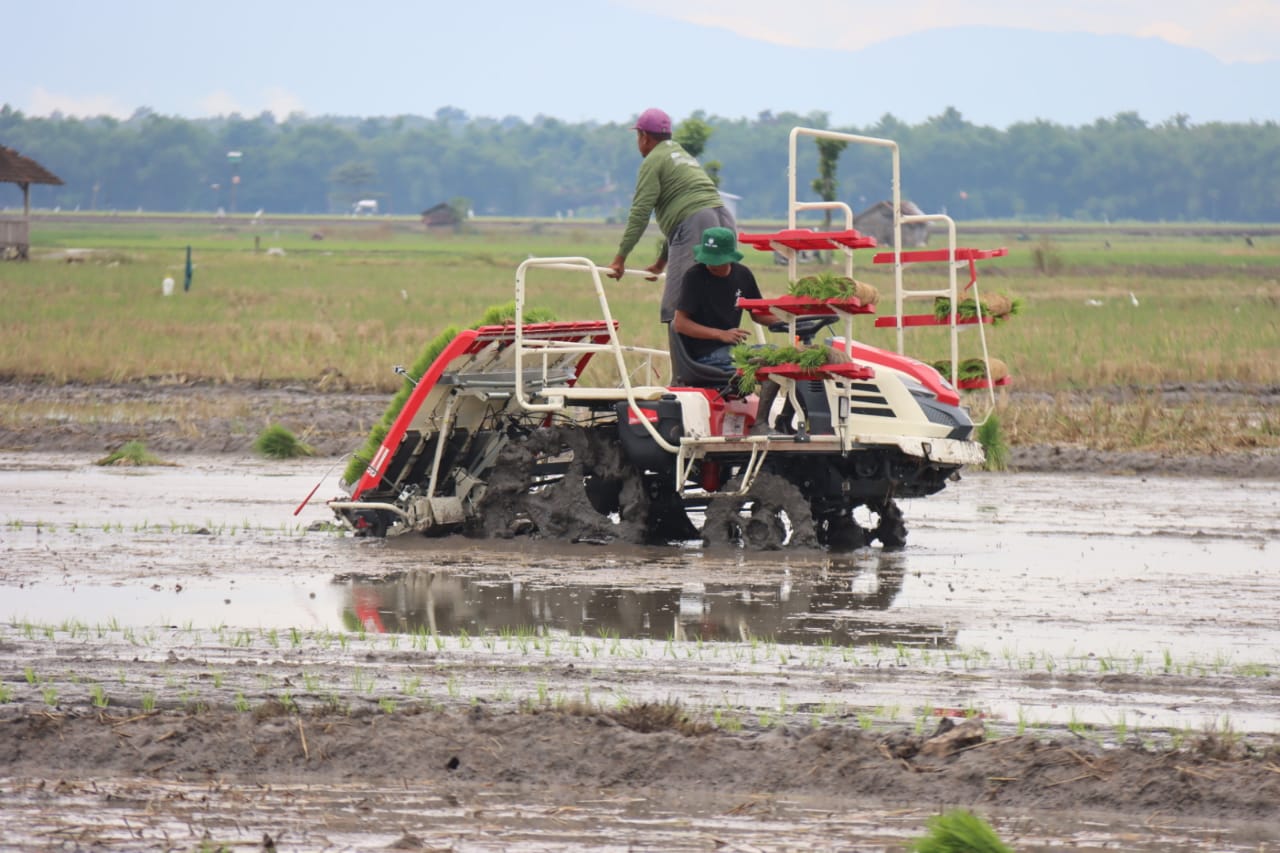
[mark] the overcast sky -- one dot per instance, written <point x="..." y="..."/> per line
<point x="1232" y="30"/>
<point x="571" y="59"/>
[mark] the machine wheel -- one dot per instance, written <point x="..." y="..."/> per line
<point x="667" y="519"/>
<point x="839" y="531"/>
<point x="371" y="523"/>
<point x="575" y="505"/>
<point x="891" y="529"/>
<point x="756" y="520"/>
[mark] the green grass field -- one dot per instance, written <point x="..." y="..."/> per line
<point x="361" y="296"/>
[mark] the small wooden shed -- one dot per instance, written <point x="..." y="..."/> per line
<point x="15" y="233"/>
<point x="877" y="221"/>
<point x="441" y="214"/>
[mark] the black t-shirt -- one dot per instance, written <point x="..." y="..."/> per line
<point x="713" y="301"/>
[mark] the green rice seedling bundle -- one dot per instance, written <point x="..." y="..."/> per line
<point x="279" y="442"/>
<point x="828" y="285"/>
<point x="994" y="444"/>
<point x="959" y="831"/>
<point x="974" y="368"/>
<point x="749" y="358"/>
<point x="997" y="306"/>
<point x="497" y="315"/>
<point x="131" y="453"/>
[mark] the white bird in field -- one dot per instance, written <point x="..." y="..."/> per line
<point x="404" y="294"/>
<point x="1133" y="300"/>
<point x="1093" y="303"/>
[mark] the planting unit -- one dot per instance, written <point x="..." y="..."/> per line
<point x="560" y="429"/>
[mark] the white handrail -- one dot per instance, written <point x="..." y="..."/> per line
<point x="900" y="292"/>
<point x="577" y="264"/>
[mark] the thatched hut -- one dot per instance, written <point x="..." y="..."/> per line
<point x="15" y="233"/>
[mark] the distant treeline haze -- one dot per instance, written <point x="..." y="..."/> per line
<point x="1116" y="168"/>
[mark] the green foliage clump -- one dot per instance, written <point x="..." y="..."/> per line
<point x="278" y="442"/>
<point x="692" y="135"/>
<point x="824" y="285"/>
<point x="959" y="831"/>
<point x="828" y="285"/>
<point x="497" y="315"/>
<point x="968" y="369"/>
<point x="997" y="306"/>
<point x="749" y="358"/>
<point x="992" y="439"/>
<point x="972" y="369"/>
<point x="131" y="453"/>
<point x="505" y="315"/>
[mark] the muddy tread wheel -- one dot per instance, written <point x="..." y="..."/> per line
<point x="576" y="507"/>
<point x="770" y="496"/>
<point x="891" y="531"/>
<point x="839" y="531"/>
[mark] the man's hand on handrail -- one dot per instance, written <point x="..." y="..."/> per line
<point x="616" y="269"/>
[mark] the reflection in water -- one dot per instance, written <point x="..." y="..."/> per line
<point x="841" y="603"/>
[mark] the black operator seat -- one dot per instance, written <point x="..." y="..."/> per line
<point x="685" y="371"/>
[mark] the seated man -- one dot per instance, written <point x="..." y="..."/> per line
<point x="707" y="315"/>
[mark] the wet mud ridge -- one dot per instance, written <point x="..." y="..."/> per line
<point x="334" y="719"/>
<point x="314" y="781"/>
<point x="198" y="418"/>
<point x="643" y="747"/>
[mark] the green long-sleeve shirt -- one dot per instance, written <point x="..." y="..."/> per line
<point x="671" y="185"/>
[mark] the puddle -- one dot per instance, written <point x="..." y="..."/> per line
<point x="846" y="602"/>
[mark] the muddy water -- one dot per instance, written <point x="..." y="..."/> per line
<point x="1035" y="600"/>
<point x="1042" y="566"/>
<point x="1036" y="575"/>
<point x="122" y="815"/>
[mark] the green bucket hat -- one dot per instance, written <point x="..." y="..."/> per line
<point x="718" y="246"/>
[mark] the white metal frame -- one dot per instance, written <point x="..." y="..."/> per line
<point x="539" y="349"/>
<point x="689" y="450"/>
<point x="901" y="292"/>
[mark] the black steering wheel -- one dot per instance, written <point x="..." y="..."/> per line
<point x="806" y="327"/>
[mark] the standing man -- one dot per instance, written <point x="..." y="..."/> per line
<point x="673" y="186"/>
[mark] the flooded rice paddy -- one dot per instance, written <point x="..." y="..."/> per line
<point x="1114" y="608"/>
<point x="1050" y="566"/>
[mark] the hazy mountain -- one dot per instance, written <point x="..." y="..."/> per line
<point x="993" y="76"/>
<point x="600" y="62"/>
<point x="1000" y="76"/>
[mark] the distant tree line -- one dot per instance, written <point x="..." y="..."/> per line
<point x="1115" y="168"/>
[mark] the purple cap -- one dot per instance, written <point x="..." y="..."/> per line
<point x="653" y="120"/>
